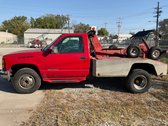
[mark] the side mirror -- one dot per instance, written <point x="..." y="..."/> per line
<point x="50" y="51"/>
<point x="46" y="52"/>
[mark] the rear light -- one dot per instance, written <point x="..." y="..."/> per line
<point x="3" y="64"/>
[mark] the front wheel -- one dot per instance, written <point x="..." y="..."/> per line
<point x="139" y="81"/>
<point x="133" y="51"/>
<point x="26" y="81"/>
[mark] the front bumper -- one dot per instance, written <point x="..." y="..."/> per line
<point x="5" y="75"/>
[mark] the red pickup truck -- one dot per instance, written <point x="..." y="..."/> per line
<point x="72" y="58"/>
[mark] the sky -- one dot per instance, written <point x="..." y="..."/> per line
<point x="134" y="15"/>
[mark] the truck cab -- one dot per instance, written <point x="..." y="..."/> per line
<point x="67" y="59"/>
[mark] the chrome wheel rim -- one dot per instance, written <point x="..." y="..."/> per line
<point x="26" y="81"/>
<point x="156" y="53"/>
<point x="140" y="82"/>
<point x="133" y="52"/>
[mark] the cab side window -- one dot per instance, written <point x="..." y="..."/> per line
<point x="69" y="45"/>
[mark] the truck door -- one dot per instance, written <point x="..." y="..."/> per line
<point x="68" y="60"/>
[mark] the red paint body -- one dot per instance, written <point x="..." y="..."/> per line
<point x="62" y="67"/>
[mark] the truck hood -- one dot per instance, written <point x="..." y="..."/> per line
<point x="25" y="51"/>
<point x="23" y="57"/>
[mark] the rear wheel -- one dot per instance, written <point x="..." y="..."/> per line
<point x="154" y="53"/>
<point x="139" y="81"/>
<point x="133" y="51"/>
<point x="26" y="81"/>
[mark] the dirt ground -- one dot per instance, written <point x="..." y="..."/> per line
<point x="14" y="107"/>
<point x="101" y="102"/>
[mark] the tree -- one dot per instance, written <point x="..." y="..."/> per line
<point x="17" y="25"/>
<point x="163" y="28"/>
<point x="49" y="21"/>
<point x="103" y="32"/>
<point x="81" y="28"/>
<point x="32" y="22"/>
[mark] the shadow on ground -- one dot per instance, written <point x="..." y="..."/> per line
<point x="162" y="94"/>
<point x="113" y="84"/>
<point x="6" y="86"/>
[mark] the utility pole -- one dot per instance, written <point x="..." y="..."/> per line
<point x="158" y="12"/>
<point x="105" y="24"/>
<point x="119" y="26"/>
<point x="68" y="23"/>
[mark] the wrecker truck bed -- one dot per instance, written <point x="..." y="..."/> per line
<point x="121" y="67"/>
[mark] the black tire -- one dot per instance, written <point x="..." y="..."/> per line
<point x="26" y="81"/>
<point x="138" y="81"/>
<point x="112" y="47"/>
<point x="133" y="51"/>
<point x="154" y="53"/>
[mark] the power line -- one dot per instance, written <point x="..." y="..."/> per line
<point x="164" y="6"/>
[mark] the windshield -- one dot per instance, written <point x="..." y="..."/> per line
<point x="48" y="46"/>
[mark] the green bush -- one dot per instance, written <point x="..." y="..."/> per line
<point x="165" y="60"/>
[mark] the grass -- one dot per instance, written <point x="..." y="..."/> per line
<point x="165" y="60"/>
<point x="100" y="107"/>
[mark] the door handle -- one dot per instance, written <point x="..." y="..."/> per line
<point x="82" y="58"/>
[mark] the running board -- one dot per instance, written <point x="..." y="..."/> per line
<point x="64" y="81"/>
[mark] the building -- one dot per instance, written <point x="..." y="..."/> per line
<point x="124" y="37"/>
<point x="6" y="37"/>
<point x="121" y="37"/>
<point x="49" y="35"/>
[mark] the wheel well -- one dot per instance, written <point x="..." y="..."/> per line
<point x="17" y="67"/>
<point x="145" y="66"/>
